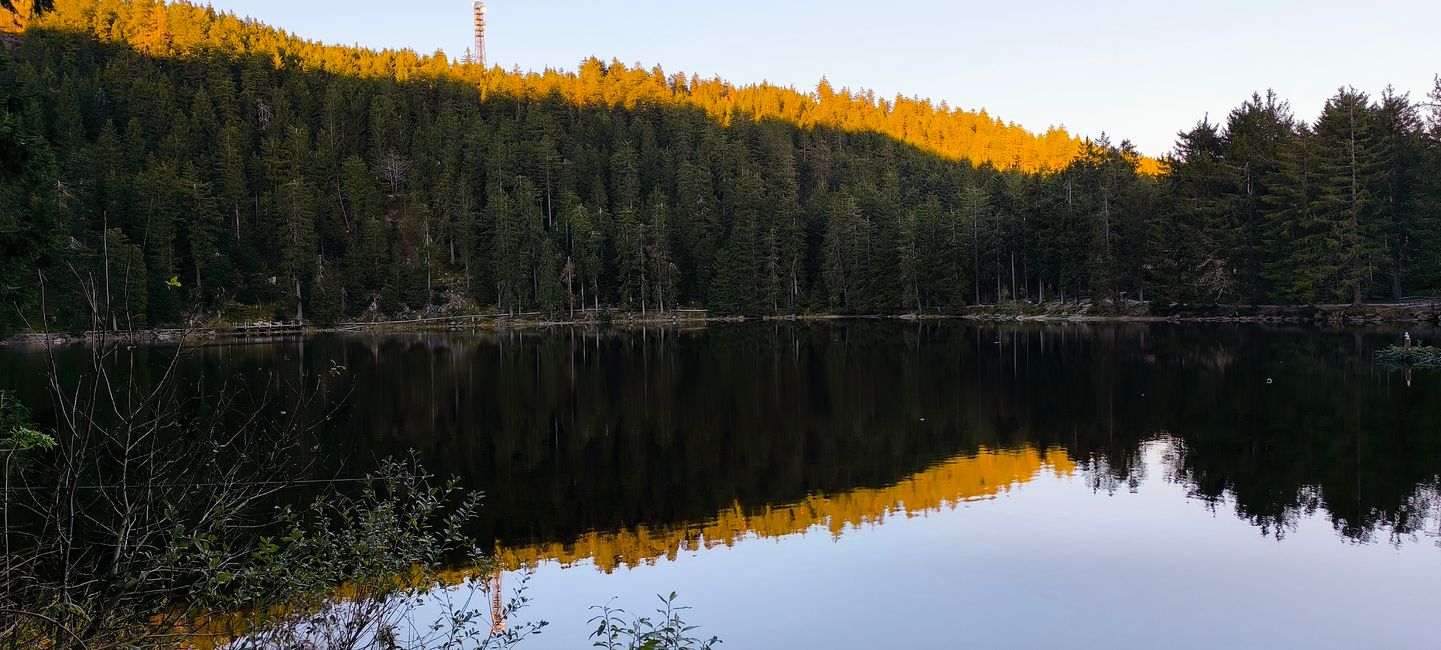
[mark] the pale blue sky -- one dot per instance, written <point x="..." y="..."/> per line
<point x="1137" y="70"/>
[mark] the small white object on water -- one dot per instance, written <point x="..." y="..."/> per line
<point x="1268" y="380"/>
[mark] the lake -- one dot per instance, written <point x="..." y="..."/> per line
<point x="864" y="484"/>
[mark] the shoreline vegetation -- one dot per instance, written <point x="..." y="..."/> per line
<point x="163" y="160"/>
<point x="1409" y="357"/>
<point x="1411" y="311"/>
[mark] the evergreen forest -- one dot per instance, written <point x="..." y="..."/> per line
<point x="165" y="164"/>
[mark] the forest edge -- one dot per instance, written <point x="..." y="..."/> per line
<point x="1413" y="311"/>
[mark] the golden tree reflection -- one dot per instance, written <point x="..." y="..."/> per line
<point x="983" y="475"/>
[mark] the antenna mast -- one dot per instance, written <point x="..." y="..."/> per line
<point x="478" y="56"/>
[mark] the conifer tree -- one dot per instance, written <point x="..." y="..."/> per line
<point x="1347" y="157"/>
<point x="1195" y="262"/>
<point x="1254" y="135"/>
<point x="660" y="262"/>
<point x="587" y="241"/>
<point x="846" y="239"/>
<point x="630" y="256"/>
<point x="1398" y="137"/>
<point x="1291" y="224"/>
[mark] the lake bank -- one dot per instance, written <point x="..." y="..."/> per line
<point x="1415" y="311"/>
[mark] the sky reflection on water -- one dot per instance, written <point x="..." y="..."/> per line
<point x="1135" y="485"/>
<point x="1051" y="561"/>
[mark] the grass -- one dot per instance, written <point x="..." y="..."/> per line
<point x="1414" y="357"/>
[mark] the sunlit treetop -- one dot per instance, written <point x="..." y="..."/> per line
<point x="182" y="30"/>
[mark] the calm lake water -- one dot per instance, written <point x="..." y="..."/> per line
<point x="934" y="485"/>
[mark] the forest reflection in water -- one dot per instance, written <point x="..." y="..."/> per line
<point x="604" y="451"/>
<point x="577" y="435"/>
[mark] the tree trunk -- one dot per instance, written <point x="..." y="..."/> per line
<point x="1000" y="273"/>
<point x="299" y="303"/>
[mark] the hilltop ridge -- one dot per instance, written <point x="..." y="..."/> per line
<point x="182" y="29"/>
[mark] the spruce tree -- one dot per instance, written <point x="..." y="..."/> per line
<point x="1255" y="133"/>
<point x="1194" y="262"/>
<point x="1398" y="134"/>
<point x="1291" y="229"/>
<point x="1347" y="154"/>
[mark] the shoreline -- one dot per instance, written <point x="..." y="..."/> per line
<point x="1419" y="312"/>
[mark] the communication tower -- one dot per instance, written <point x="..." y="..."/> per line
<point x="478" y="56"/>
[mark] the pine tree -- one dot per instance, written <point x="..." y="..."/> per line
<point x="551" y="296"/>
<point x="1346" y="156"/>
<point x="161" y="204"/>
<point x="1291" y="225"/>
<point x="211" y="270"/>
<point x="27" y="172"/>
<point x="231" y="180"/>
<point x="976" y="212"/>
<point x="511" y="272"/>
<point x="630" y="258"/>
<point x="1255" y="134"/>
<point x="126" y="280"/>
<point x="909" y="259"/>
<point x="847" y="237"/>
<point x="1399" y="149"/>
<point x="785" y="225"/>
<point x="1196" y="248"/>
<point x="296" y="205"/>
<point x="585" y="251"/>
<point x="660" y="261"/>
<point x="326" y="306"/>
<point x="696" y="203"/>
<point x="1425" y="227"/>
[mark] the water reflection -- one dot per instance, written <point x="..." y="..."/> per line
<point x="1072" y="559"/>
<point x="944" y="486"/>
<point x="629" y="445"/>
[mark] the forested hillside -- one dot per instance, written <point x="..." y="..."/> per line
<point x="167" y="163"/>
